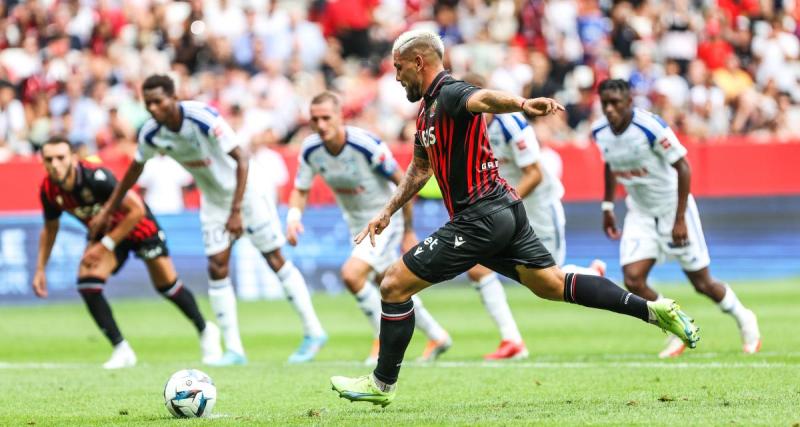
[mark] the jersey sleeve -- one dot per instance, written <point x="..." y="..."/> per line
<point x="454" y="98"/>
<point x="144" y="149"/>
<point x="669" y="147"/>
<point x="305" y="174"/>
<point x="102" y="182"/>
<point x="383" y="161"/>
<point x="49" y="209"/>
<point x="525" y="148"/>
<point x="224" y="135"/>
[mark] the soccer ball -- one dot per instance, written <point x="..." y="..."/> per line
<point x="190" y="393"/>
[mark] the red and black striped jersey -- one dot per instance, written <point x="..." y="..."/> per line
<point x="456" y="144"/>
<point x="93" y="187"/>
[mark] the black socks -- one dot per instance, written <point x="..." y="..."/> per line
<point x="91" y="289"/>
<point x="183" y="298"/>
<point x="397" y="327"/>
<point x="599" y="292"/>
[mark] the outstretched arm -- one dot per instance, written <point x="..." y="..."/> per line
<point x="497" y="102"/>
<point x="409" y="238"/>
<point x="415" y="178"/>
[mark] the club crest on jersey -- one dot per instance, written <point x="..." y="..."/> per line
<point x="433" y="108"/>
<point x="59" y="200"/>
<point x="86" y="195"/>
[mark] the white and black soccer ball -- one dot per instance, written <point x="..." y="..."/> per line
<point x="190" y="393"/>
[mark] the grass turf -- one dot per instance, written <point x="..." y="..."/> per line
<point x="586" y="366"/>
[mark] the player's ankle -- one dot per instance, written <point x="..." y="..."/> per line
<point x="383" y="386"/>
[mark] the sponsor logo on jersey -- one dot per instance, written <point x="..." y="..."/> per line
<point x="350" y="191"/>
<point x="433" y="108"/>
<point x="633" y="173"/>
<point x="202" y="163"/>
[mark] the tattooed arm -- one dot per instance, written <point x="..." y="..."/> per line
<point x="415" y="178"/>
<point x="497" y="102"/>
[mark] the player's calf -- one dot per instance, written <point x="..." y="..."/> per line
<point x="185" y="301"/>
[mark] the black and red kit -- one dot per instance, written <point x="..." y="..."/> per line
<point x="488" y="224"/>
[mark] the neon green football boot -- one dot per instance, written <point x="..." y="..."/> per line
<point x="667" y="315"/>
<point x="361" y="389"/>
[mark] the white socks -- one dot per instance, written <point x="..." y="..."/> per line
<point x="730" y="304"/>
<point x="223" y="302"/>
<point x="494" y="299"/>
<point x="296" y="291"/>
<point x="572" y="268"/>
<point x="426" y="323"/>
<point x="369" y="301"/>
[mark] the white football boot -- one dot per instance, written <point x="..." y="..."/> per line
<point x="751" y="336"/>
<point x="210" y="346"/>
<point x="674" y="347"/>
<point x="122" y="357"/>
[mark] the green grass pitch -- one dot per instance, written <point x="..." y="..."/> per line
<point x="586" y="366"/>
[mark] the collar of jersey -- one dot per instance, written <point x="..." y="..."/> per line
<point x="436" y="84"/>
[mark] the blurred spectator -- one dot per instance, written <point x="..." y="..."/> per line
<point x="715" y="50"/>
<point x="710" y="68"/>
<point x="13" y="126"/>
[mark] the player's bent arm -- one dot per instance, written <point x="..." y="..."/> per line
<point x="294" y="224"/>
<point x="408" y="208"/>
<point x="531" y="177"/>
<point x="610" y="185"/>
<point x="415" y="178"/>
<point x="684" y="184"/>
<point x="128" y="181"/>
<point x="497" y="102"/>
<point x="47" y="238"/>
<point x="133" y="207"/>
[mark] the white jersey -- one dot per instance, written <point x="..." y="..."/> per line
<point x="515" y="146"/>
<point x="641" y="159"/>
<point x="201" y="146"/>
<point x="358" y="175"/>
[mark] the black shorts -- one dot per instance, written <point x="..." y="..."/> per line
<point x="500" y="241"/>
<point x="150" y="248"/>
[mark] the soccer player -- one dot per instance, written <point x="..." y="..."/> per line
<point x="644" y="155"/>
<point x="517" y="150"/>
<point x="488" y="224"/>
<point x="360" y="170"/>
<point x="80" y="188"/>
<point x="196" y="136"/>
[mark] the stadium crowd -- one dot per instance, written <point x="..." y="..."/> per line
<point x="711" y="68"/>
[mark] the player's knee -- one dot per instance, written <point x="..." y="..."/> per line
<point x="352" y="279"/>
<point x="392" y="289"/>
<point x="275" y="260"/>
<point x="702" y="286"/>
<point x="635" y="283"/>
<point x="217" y="269"/>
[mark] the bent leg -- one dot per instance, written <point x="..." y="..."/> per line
<point x="635" y="276"/>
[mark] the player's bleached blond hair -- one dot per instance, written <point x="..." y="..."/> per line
<point x="418" y="39"/>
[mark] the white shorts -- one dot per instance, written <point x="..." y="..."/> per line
<point x="260" y="221"/>
<point x="386" y="250"/>
<point x="648" y="237"/>
<point x="548" y="223"/>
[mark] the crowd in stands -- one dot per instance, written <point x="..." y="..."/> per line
<point x="710" y="68"/>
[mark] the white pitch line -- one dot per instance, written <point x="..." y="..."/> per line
<point x="43" y="365"/>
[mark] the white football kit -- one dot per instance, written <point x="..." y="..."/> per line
<point x="359" y="178"/>
<point x="515" y="146"/>
<point x="641" y="159"/>
<point x="201" y="146"/>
